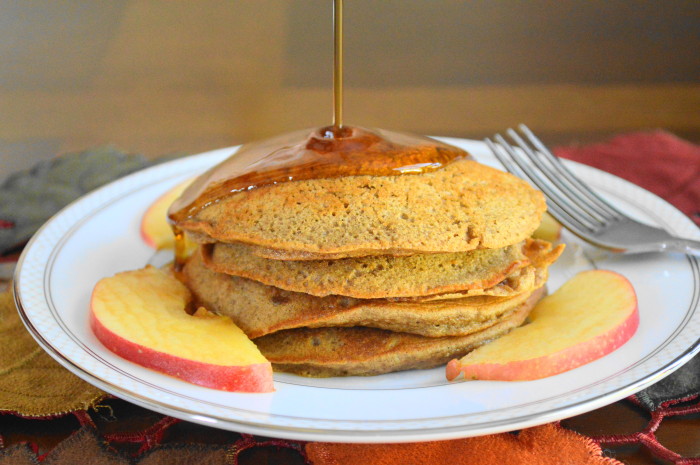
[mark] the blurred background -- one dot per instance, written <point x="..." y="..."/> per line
<point x="162" y="76"/>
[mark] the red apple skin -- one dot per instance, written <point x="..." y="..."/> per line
<point x="145" y="234"/>
<point x="152" y="237"/>
<point x="560" y="361"/>
<point x="552" y="364"/>
<point x="147" y="238"/>
<point x="250" y="378"/>
<point x="159" y="236"/>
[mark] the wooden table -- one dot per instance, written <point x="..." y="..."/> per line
<point x="155" y="77"/>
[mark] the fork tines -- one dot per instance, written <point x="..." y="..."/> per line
<point x="569" y="200"/>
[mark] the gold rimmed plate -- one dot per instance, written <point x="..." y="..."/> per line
<point x="98" y="235"/>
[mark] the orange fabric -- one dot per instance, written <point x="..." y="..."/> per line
<point x="542" y="445"/>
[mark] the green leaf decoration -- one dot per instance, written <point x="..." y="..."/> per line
<point x="29" y="198"/>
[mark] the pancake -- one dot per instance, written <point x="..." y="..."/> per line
<point x="259" y="309"/>
<point x="298" y="255"/>
<point x="359" y="351"/>
<point x="374" y="277"/>
<point x="541" y="255"/>
<point x="461" y="207"/>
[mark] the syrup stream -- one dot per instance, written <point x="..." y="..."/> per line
<point x="337" y="64"/>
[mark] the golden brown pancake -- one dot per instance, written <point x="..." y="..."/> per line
<point x="360" y="351"/>
<point x="373" y="277"/>
<point x="417" y="278"/>
<point x="464" y="206"/>
<point x="259" y="309"/>
<point x="541" y="255"/>
<point x="297" y="255"/>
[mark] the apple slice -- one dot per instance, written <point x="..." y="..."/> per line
<point x="140" y="315"/>
<point x="591" y="315"/>
<point x="155" y="229"/>
<point x="548" y="230"/>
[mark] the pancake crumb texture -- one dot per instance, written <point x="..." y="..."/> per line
<point x="373" y="276"/>
<point x="325" y="352"/>
<point x="383" y="276"/>
<point x="464" y="206"/>
<point x="259" y="309"/>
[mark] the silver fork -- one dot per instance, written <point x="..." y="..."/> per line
<point x="575" y="205"/>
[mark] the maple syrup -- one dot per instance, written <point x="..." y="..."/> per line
<point x="180" y="248"/>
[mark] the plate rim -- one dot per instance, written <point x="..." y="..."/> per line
<point x="306" y="433"/>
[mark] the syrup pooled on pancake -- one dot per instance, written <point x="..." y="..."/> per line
<point x="325" y="153"/>
<point x="315" y="154"/>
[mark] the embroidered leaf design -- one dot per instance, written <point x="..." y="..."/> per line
<point x="31" y="382"/>
<point x="28" y="198"/>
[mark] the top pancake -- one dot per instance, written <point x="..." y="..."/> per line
<point x="464" y="206"/>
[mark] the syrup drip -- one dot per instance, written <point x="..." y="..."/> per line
<point x="180" y="253"/>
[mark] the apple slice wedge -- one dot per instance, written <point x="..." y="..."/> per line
<point x="591" y="315"/>
<point x="155" y="230"/>
<point x="140" y="315"/>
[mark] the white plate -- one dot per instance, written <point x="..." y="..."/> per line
<point x="98" y="236"/>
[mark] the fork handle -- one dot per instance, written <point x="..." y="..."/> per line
<point x="686" y="246"/>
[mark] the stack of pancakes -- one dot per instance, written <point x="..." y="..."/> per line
<point x="363" y="275"/>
